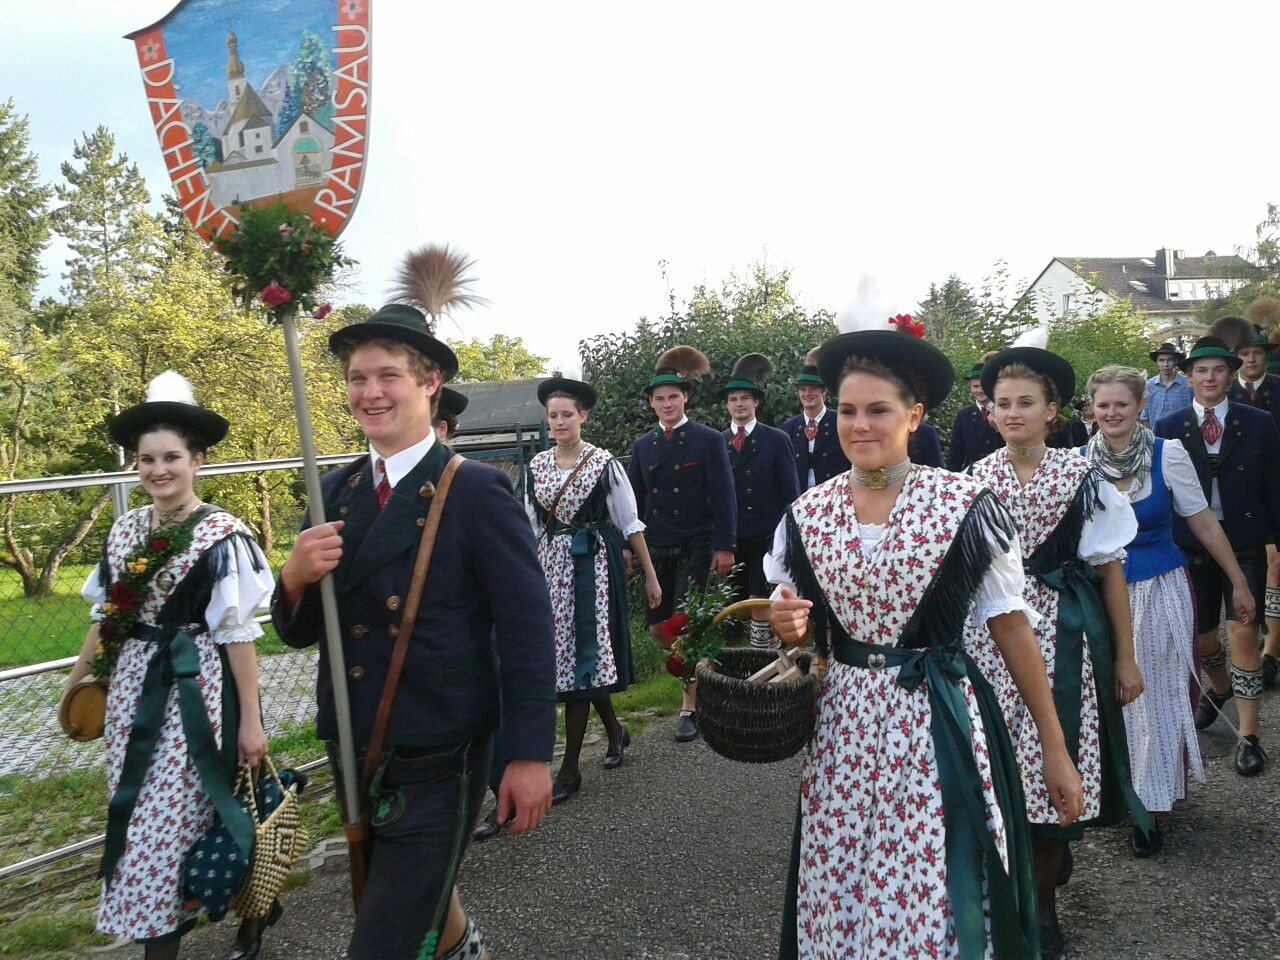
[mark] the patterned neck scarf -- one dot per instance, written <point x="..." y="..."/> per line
<point x="1133" y="461"/>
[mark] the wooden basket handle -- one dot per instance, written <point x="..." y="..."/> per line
<point x="741" y="607"/>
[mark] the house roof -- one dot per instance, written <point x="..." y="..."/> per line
<point x="1118" y="276"/>
<point x="249" y="107"/>
<point x="497" y="406"/>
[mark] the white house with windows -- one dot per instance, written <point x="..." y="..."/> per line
<point x="1168" y="288"/>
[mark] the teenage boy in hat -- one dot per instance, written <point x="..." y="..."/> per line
<point x="679" y="471"/>
<point x="1168" y="391"/>
<point x="973" y="435"/>
<point x="818" y="454"/>
<point x="1236" y="452"/>
<point x="764" y="479"/>
<point x="448" y="410"/>
<point x="483" y="632"/>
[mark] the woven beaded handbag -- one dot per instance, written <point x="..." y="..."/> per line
<point x="279" y="838"/>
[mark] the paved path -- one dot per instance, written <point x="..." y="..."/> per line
<point x="635" y="868"/>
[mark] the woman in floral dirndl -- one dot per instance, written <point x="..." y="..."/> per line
<point x="1073" y="527"/>
<point x="910" y="838"/>
<point x="173" y="603"/>
<point x="583" y="510"/>
<point x="1159" y="479"/>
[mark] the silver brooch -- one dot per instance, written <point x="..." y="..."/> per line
<point x="876" y="661"/>
<point x="165" y="581"/>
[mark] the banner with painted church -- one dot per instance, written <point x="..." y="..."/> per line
<point x="260" y="100"/>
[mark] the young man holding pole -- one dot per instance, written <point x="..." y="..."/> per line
<point x="482" y="633"/>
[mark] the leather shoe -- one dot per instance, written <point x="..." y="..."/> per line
<point x="1249" y="757"/>
<point x="1209" y="707"/>
<point x="488" y="829"/>
<point x="250" y="951"/>
<point x="1270" y="670"/>
<point x="1143" y="846"/>
<point x="686" y="727"/>
<point x="564" y="788"/>
<point x="1052" y="943"/>
<point x="613" y="756"/>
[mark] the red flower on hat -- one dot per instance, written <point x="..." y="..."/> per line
<point x="123" y="595"/>
<point x="906" y="324"/>
<point x="274" y="295"/>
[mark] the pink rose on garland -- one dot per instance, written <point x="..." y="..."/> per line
<point x="274" y="295"/>
<point x="323" y="312"/>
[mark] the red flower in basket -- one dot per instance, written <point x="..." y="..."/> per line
<point x="158" y="544"/>
<point x="123" y="595"/>
<point x="670" y="629"/>
<point x="274" y="295"/>
<point x="675" y="666"/>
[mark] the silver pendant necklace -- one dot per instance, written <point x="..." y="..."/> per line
<point x="879" y="479"/>
<point x="1024" y="453"/>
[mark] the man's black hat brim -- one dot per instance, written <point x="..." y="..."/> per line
<point x="452" y="403"/>
<point x="404" y="324"/>
<point x="1041" y="361"/>
<point x="126" y="427"/>
<point x="584" y="392"/>
<point x="1166" y="350"/>
<point x="896" y="350"/>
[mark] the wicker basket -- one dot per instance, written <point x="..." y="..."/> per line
<point x="279" y="840"/>
<point x="751" y="721"/>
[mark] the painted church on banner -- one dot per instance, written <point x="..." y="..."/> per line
<point x="251" y="158"/>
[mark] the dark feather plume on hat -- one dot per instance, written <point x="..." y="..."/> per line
<point x="755" y="367"/>
<point x="811" y="358"/>
<point x="436" y="279"/>
<point x="1232" y="331"/>
<point x="1264" y="312"/>
<point x="686" y="362"/>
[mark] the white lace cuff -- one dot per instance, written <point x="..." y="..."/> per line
<point x="242" y="633"/>
<point x="996" y="606"/>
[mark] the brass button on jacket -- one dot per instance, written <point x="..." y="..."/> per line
<point x="393" y="603"/>
<point x="359" y="632"/>
<point x="356" y="673"/>
<point x="393" y="631"/>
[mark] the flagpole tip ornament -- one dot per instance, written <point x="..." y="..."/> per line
<point x="170" y="399"/>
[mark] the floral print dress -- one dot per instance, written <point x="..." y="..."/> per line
<point x="871" y="870"/>
<point x="144" y="899"/>
<point x="580" y="549"/>
<point x="1066" y="512"/>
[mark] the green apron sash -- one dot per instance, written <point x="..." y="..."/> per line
<point x="584" y="544"/>
<point x="175" y="661"/>
<point x="1083" y="618"/>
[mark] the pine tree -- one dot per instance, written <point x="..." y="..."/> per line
<point x="24" y="215"/>
<point x="312" y="75"/>
<point x="104" y="219"/>
<point x="290" y="108"/>
<point x="204" y="145"/>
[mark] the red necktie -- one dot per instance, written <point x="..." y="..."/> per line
<point x="986" y="414"/>
<point x="383" y="489"/>
<point x="811" y="430"/>
<point x="1211" y="428"/>
<point x="1252" y="391"/>
<point x="666" y="432"/>
<point x="739" y="439"/>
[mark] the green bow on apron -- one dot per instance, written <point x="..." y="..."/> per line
<point x="175" y="661"/>
<point x="1082" y="618"/>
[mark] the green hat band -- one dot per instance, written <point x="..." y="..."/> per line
<point x="812" y="378"/>
<point x="974" y="372"/>
<point x="1204" y="352"/>
<point x="743" y="385"/>
<point x="663" y="379"/>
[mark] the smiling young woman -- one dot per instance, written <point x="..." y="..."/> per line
<point x="900" y="554"/>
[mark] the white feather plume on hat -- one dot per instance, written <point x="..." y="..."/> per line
<point x="170" y="387"/>
<point x="1035" y="337"/>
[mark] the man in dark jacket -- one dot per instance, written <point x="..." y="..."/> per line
<point x="973" y="435"/>
<point x="814" y="441"/>
<point x="679" y="471"/>
<point x="481" y="652"/>
<point x="1236" y="453"/>
<point x="764" y="479"/>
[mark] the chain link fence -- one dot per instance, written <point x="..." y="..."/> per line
<point x="51" y="536"/>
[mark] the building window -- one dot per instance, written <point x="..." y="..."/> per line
<point x="1066" y="303"/>
<point x="257" y="149"/>
<point x="303" y="127"/>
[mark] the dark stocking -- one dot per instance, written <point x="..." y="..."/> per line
<point x="604" y="707"/>
<point x="576" y="713"/>
<point x="168" y="950"/>
<point x="1048" y="860"/>
<point x="250" y="932"/>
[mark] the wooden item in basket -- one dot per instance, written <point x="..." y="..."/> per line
<point x="279" y="840"/>
<point x="756" y="706"/>
<point x="82" y="714"/>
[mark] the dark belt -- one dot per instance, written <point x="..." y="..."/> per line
<point x="1083" y="619"/>
<point x="969" y="845"/>
<point x="176" y="660"/>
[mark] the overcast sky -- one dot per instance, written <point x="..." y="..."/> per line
<point x="569" y="147"/>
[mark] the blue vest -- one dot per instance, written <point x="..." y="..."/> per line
<point x="1153" y="551"/>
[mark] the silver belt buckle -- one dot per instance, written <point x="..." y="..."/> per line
<point x="876" y="661"/>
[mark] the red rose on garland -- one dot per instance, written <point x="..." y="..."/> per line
<point x="123" y="595"/>
<point x="158" y="545"/>
<point x="274" y="295"/>
<point x="107" y="630"/>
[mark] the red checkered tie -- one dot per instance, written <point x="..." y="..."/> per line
<point x="666" y="433"/>
<point x="1252" y="391"/>
<point x="383" y="489"/>
<point x="1211" y="428"/>
<point x="986" y="414"/>
<point x="811" y="429"/>
<point x="739" y="439"/>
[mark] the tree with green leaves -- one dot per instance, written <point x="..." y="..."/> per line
<point x="24" y="215"/>
<point x="1260" y="277"/>
<point x="503" y="357"/>
<point x="755" y="314"/>
<point x="204" y="145"/>
<point x="104" y="220"/>
<point x="312" y="75"/>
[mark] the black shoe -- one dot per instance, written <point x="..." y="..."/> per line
<point x="1065" y="866"/>
<point x="488" y="829"/>
<point x="250" y="951"/>
<point x="686" y="727"/>
<point x="613" y="756"/>
<point x="1249" y="757"/>
<point x="1143" y="846"/>
<point x="1052" y="943"/>
<point x="564" y="788"/>
<point x="1209" y="707"/>
<point x="1270" y="670"/>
